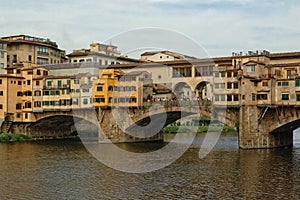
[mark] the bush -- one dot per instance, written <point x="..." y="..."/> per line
<point x="10" y="137"/>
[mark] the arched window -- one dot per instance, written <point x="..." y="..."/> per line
<point x="110" y="88"/>
<point x="37" y="93"/>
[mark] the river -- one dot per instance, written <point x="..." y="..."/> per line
<point x="64" y="169"/>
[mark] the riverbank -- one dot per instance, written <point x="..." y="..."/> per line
<point x="199" y="129"/>
<point x="11" y="137"/>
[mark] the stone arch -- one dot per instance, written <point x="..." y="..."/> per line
<point x="204" y="90"/>
<point x="61" y="125"/>
<point x="183" y="90"/>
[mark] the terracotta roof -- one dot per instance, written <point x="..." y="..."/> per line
<point x="33" y="43"/>
<point x="285" y="54"/>
<point x="176" y="55"/>
<point x="88" y="52"/>
<point x="284" y="64"/>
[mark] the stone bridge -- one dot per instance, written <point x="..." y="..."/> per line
<point x="267" y="126"/>
<point x="120" y="124"/>
<point x="259" y="126"/>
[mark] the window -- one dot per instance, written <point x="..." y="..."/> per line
<point x="85" y="101"/>
<point x="285" y="97"/>
<point x="28" y="93"/>
<point x="217" y="97"/>
<point x="285" y="84"/>
<point x="59" y="83"/>
<point x="253" y="97"/>
<point x="75" y="101"/>
<point x="37" y="104"/>
<point x="99" y="100"/>
<point x="99" y="88"/>
<point x="229" y="85"/>
<point x="236" y="85"/>
<point x="0" y="81"/>
<point x="37" y="82"/>
<point x="29" y="58"/>
<point x="235" y="97"/>
<point x="262" y="96"/>
<point x="250" y="68"/>
<point x="222" y="97"/>
<point x="265" y="84"/>
<point x="85" y="90"/>
<point x="27" y="104"/>
<point x="1" y="106"/>
<point x="76" y="81"/>
<point x="14" y="58"/>
<point x="222" y="74"/>
<point x="46" y="93"/>
<point x="1" y="45"/>
<point x="297" y="82"/>
<point x="216" y="85"/>
<point x="49" y="83"/>
<point x="42" y="50"/>
<point x="229" y="97"/>
<point x="217" y="74"/>
<point x="19" y="94"/>
<point x="18" y="106"/>
<point x="298" y="97"/>
<point x="110" y="88"/>
<point x="1" y="93"/>
<point x="37" y="93"/>
<point x="38" y="72"/>
<point x="229" y="74"/>
<point x="28" y="82"/>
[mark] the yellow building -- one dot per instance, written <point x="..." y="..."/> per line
<point x="103" y="88"/>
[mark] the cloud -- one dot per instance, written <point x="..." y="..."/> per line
<point x="219" y="26"/>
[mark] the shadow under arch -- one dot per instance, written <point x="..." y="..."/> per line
<point x="157" y="121"/>
<point x="58" y="126"/>
<point x="286" y="128"/>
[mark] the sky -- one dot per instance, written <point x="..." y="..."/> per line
<point x="198" y="28"/>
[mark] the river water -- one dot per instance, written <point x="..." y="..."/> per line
<point x="64" y="169"/>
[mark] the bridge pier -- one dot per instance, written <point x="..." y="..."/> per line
<point x="255" y="126"/>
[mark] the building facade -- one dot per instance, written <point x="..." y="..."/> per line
<point x="24" y="48"/>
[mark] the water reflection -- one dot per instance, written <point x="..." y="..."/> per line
<point x="65" y="170"/>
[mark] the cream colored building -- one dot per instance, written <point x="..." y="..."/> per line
<point x="3" y="56"/>
<point x="163" y="56"/>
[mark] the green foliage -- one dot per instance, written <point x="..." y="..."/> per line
<point x="201" y="129"/>
<point x="48" y="41"/>
<point x="10" y="137"/>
